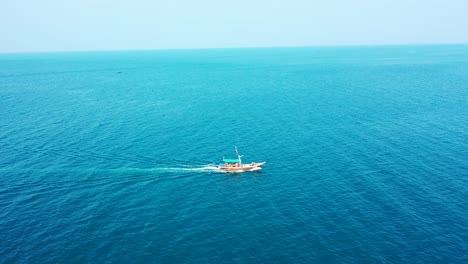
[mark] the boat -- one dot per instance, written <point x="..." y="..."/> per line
<point x="236" y="165"/>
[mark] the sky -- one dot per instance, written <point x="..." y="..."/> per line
<point x="74" y="25"/>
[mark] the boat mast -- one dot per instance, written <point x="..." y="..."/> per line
<point x="238" y="156"/>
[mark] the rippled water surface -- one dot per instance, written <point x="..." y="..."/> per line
<point x="103" y="156"/>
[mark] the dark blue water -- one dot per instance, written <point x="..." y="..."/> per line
<point x="103" y="156"/>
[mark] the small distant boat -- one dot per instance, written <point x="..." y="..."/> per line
<point x="236" y="165"/>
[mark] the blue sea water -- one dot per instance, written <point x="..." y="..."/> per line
<point x="103" y="156"/>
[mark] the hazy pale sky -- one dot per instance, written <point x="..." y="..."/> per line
<point x="61" y="25"/>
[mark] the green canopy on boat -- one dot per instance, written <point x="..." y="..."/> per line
<point x="231" y="160"/>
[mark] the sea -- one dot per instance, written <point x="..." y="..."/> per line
<point x="110" y="157"/>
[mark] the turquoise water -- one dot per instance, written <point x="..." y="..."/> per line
<point x="103" y="156"/>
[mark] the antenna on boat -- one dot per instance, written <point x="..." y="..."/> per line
<point x="238" y="155"/>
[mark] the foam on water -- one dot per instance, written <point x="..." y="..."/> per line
<point x="206" y="168"/>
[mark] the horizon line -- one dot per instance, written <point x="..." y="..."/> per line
<point x="246" y="47"/>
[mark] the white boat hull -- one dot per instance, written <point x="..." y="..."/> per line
<point x="242" y="168"/>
